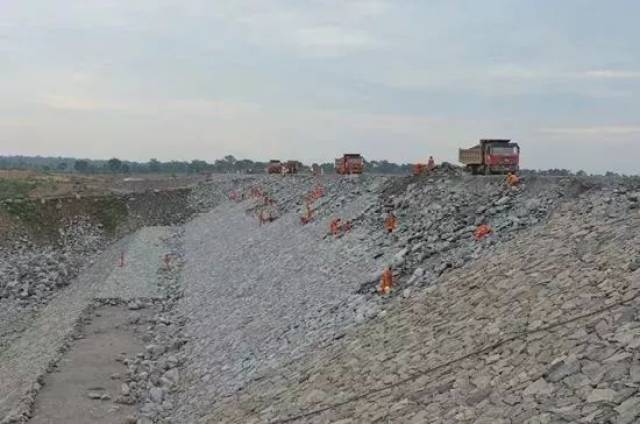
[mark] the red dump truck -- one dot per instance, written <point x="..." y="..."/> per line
<point x="350" y="163"/>
<point x="491" y="156"/>
<point x="292" y="167"/>
<point x="289" y="167"/>
<point x="274" y="167"/>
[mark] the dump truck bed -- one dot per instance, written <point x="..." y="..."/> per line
<point x="472" y="156"/>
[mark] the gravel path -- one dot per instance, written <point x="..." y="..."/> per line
<point x="27" y="359"/>
<point x="137" y="279"/>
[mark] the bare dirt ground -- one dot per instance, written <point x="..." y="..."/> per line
<point x="86" y="381"/>
<point x="38" y="185"/>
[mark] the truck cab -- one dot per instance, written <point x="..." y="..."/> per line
<point x="274" y="167"/>
<point x="501" y="156"/>
<point x="350" y="163"/>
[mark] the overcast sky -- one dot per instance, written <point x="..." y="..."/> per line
<point x="310" y="79"/>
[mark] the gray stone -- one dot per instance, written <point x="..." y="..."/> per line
<point x="539" y="387"/>
<point x="156" y="394"/>
<point x="94" y="395"/>
<point x="601" y="395"/>
<point x="562" y="369"/>
<point x="629" y="411"/>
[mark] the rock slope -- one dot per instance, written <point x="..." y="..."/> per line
<point x="264" y="297"/>
<point x="541" y="329"/>
<point x="280" y="321"/>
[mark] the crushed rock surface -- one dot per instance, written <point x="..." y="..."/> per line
<point x="539" y="329"/>
<point x="281" y="322"/>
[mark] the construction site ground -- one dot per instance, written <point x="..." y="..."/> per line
<point x="222" y="318"/>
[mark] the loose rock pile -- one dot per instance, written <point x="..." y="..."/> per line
<point x="438" y="217"/>
<point x="31" y="273"/>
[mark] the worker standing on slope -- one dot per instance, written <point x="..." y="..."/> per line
<point x="386" y="281"/>
<point x="431" y="164"/>
<point x="391" y="223"/>
<point x="482" y="231"/>
<point x="335" y="227"/>
<point x="513" y="180"/>
<point x="308" y="213"/>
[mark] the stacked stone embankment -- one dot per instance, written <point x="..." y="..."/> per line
<point x="540" y="329"/>
<point x="265" y="316"/>
<point x="262" y="297"/>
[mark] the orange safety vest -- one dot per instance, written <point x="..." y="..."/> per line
<point x="390" y="223"/>
<point x="386" y="281"/>
<point x="308" y="214"/>
<point x="334" y="227"/>
<point x="482" y="231"/>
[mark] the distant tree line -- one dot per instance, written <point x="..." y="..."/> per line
<point x="228" y="164"/>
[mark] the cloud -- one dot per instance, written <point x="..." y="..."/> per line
<point x="319" y="28"/>
<point x="368" y="7"/>
<point x="506" y="79"/>
<point x="193" y="108"/>
<point x="333" y="40"/>
<point x="7" y="122"/>
<point x="83" y="104"/>
<point x="512" y="71"/>
<point x="213" y="109"/>
<point x="612" y="74"/>
<point x="598" y="130"/>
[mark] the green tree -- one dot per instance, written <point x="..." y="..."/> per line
<point x="115" y="165"/>
<point x="81" y="166"/>
<point x="154" y="165"/>
<point x="197" y="166"/>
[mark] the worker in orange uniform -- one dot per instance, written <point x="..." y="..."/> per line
<point x="346" y="227"/>
<point x="386" y="281"/>
<point x="391" y="223"/>
<point x="264" y="216"/>
<point x="482" y="231"/>
<point x="513" y="180"/>
<point x="334" y="227"/>
<point x="431" y="164"/>
<point x="308" y="214"/>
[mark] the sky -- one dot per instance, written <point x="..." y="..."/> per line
<point x="292" y="79"/>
